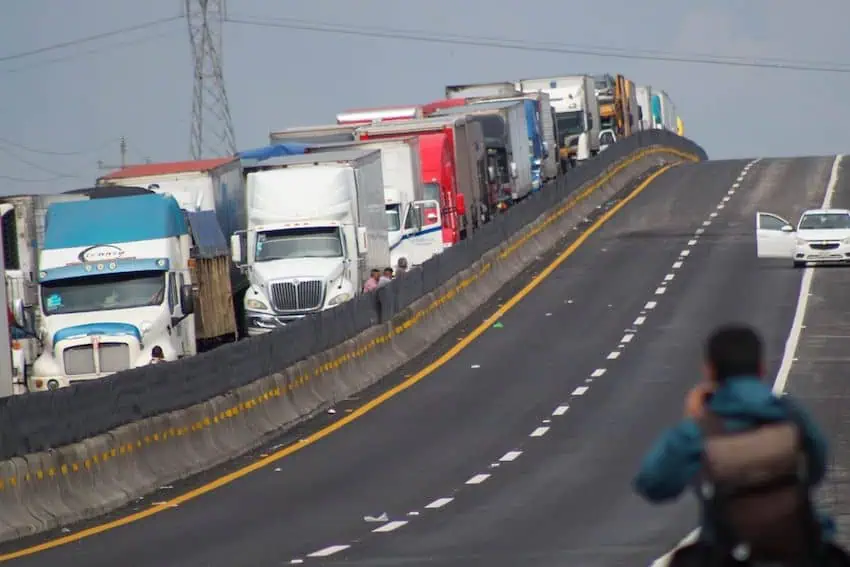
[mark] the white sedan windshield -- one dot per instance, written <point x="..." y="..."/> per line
<point x="825" y="221"/>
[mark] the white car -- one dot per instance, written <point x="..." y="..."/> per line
<point x="821" y="236"/>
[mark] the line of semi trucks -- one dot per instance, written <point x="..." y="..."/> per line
<point x="185" y="256"/>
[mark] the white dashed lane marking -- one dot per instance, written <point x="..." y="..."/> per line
<point x="478" y="479"/>
<point x="438" y="503"/>
<point x="329" y="551"/>
<point x="563" y="408"/>
<point x="390" y="526"/>
<point x="510" y="456"/>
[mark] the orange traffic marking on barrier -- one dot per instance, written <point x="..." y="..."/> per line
<point x="380" y="399"/>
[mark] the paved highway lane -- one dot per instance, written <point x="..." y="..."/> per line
<point x="561" y="488"/>
<point x="567" y="499"/>
<point x="820" y="375"/>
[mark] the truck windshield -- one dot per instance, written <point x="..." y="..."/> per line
<point x="313" y="242"/>
<point x="103" y="292"/>
<point x="570" y="123"/>
<point x="393" y="218"/>
<point x="432" y="192"/>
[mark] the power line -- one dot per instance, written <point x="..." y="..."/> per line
<point x="524" y="45"/>
<point x="55" y="153"/>
<point x="111" y="48"/>
<point x="88" y="39"/>
<point x="39" y="167"/>
<point x="560" y="45"/>
<point x="23" y="180"/>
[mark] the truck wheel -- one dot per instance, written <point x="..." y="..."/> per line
<point x="799" y="264"/>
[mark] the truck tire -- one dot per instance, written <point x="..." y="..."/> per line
<point x="799" y="264"/>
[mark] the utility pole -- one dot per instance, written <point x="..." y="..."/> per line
<point x="212" y="126"/>
<point x="122" y="148"/>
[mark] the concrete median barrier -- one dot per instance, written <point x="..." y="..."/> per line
<point x="42" y="490"/>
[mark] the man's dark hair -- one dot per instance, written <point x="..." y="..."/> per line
<point x="156" y="352"/>
<point x="734" y="350"/>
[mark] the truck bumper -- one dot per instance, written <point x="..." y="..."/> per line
<point x="45" y="383"/>
<point x="258" y="323"/>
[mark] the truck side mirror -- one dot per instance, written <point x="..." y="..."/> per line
<point x="187" y="299"/>
<point x="18" y="313"/>
<point x="491" y="173"/>
<point x="236" y="240"/>
<point x="362" y="239"/>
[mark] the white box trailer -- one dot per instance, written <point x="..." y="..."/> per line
<point x="644" y="101"/>
<point x="481" y="90"/>
<point x="325" y="134"/>
<point x="414" y="225"/>
<point x="316" y="227"/>
<point x="576" y="110"/>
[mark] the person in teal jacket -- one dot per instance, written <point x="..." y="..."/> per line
<point x="735" y="390"/>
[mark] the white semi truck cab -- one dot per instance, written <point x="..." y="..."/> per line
<point x="114" y="281"/>
<point x="316" y="226"/>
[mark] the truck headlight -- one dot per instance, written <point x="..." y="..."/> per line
<point x="341" y="298"/>
<point x="256" y="305"/>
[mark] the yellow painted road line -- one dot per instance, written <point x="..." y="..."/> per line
<point x="360" y="411"/>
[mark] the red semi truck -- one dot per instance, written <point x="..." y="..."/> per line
<point x="465" y="200"/>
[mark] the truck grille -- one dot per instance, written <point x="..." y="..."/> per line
<point x="113" y="357"/>
<point x="289" y="296"/>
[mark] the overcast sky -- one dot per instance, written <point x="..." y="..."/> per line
<point x="80" y="99"/>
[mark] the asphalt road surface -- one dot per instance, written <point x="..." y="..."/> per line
<point x="557" y="405"/>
